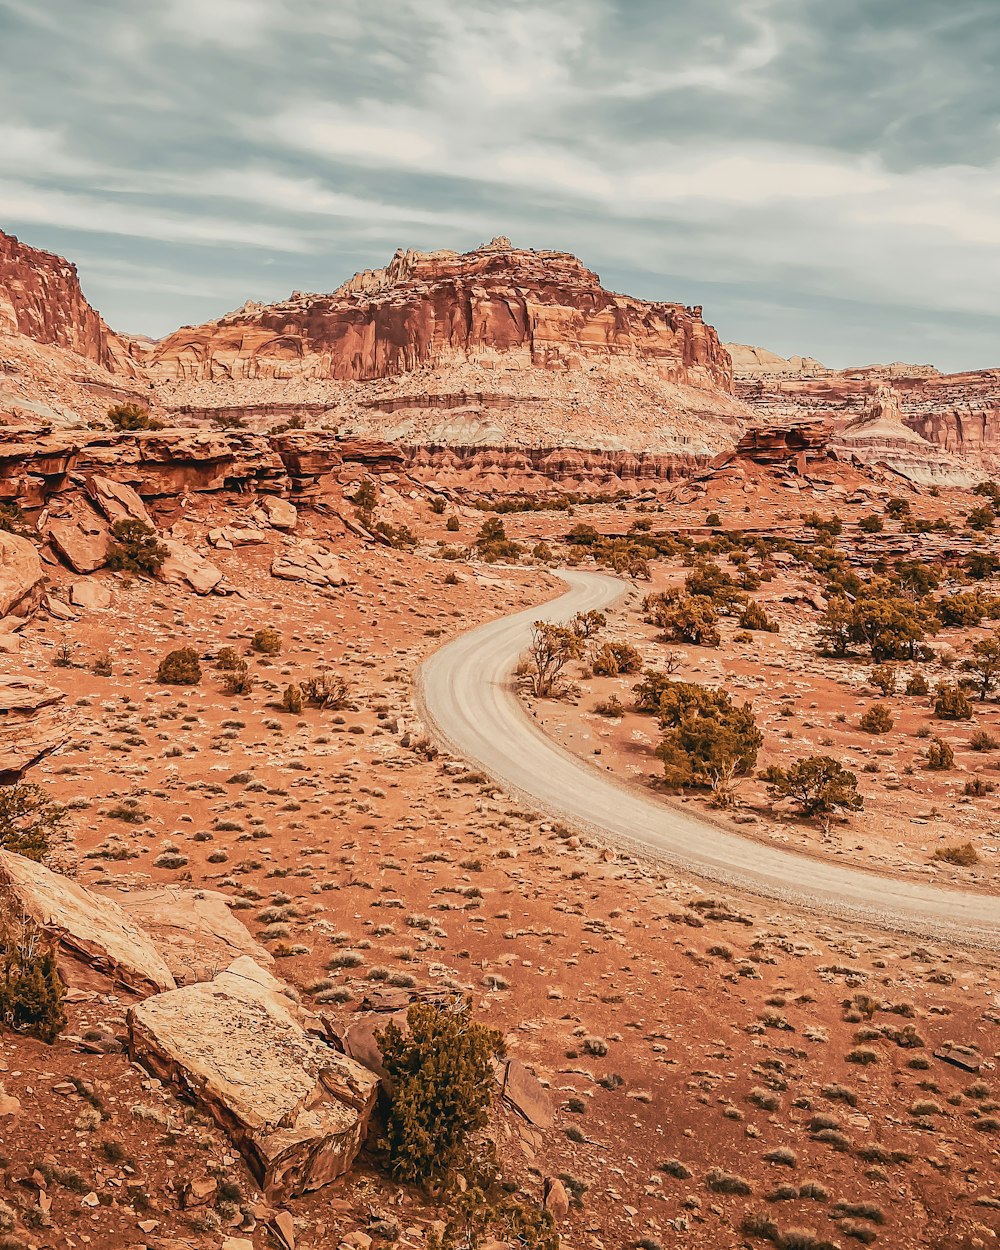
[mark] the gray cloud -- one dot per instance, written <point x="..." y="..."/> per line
<point x="824" y="178"/>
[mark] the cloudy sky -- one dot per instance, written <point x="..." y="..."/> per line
<point x="822" y="175"/>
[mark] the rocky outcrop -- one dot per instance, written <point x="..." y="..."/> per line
<point x="295" y="1108"/>
<point x="543" y="309"/>
<point x="880" y="437"/>
<point x="194" y="930"/>
<point x="94" y="937"/>
<point x="78" y="533"/>
<point x="32" y="724"/>
<point x="778" y="444"/>
<point x="40" y="297"/>
<point x="21" y="575"/>
<point x="309" y="562"/>
<point x="184" y="566"/>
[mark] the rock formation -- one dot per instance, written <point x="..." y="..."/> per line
<point x="40" y="298"/>
<point x="295" y="1108"/>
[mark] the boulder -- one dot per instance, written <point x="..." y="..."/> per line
<point x="525" y="1093"/>
<point x="96" y="941"/>
<point x="308" y="562"/>
<point x="194" y="930"/>
<point x="91" y="594"/>
<point x="20" y="575"/>
<point x="279" y="512"/>
<point x="32" y="725"/>
<point x="185" y="567"/>
<point x="80" y="536"/>
<point x="117" y="501"/>
<point x="295" y="1108"/>
<point x="556" y="1198"/>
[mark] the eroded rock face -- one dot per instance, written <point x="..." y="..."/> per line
<point x="40" y="297"/>
<point x="21" y="575"/>
<point x="183" y="566"/>
<point x="309" y="562"/>
<point x="295" y="1108"/>
<point x="776" y="444"/>
<point x="79" y="534"/>
<point x="545" y="308"/>
<point x="95" y="939"/>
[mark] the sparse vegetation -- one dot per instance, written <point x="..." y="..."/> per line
<point x="180" y="667"/>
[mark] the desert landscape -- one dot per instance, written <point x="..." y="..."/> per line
<point x="479" y="660"/>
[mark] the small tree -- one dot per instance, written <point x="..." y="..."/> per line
<point x="754" y="617"/>
<point x="708" y="740"/>
<point x="135" y="549"/>
<point x="691" y="619"/>
<point x="877" y="720"/>
<point x="29" y="820"/>
<point x="180" y="667"/>
<point x="962" y="609"/>
<point x="587" y="624"/>
<point x="951" y="703"/>
<point x="818" y="785"/>
<point x="871" y="524"/>
<point x="365" y="500"/>
<point x="31" y="992"/>
<point x="835" y="626"/>
<point x="917" y="684"/>
<point x="981" y="518"/>
<point x="552" y="648"/>
<point x="940" y="756"/>
<point x="984" y="664"/>
<point x="441" y="1070"/>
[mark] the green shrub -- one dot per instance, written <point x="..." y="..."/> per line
<point x="29" y="820"/>
<point x="940" y="756"/>
<point x="708" y="740"/>
<point x="31" y="992"/>
<point x="292" y="699"/>
<point x="227" y="660"/>
<point x="754" y="617"/>
<point x="266" y="641"/>
<point x="818" y="784"/>
<point x="135" y="549"/>
<point x="884" y="677"/>
<point x="128" y="418"/>
<point x="952" y="703"/>
<point x="441" y="1072"/>
<point x="180" y="667"/>
<point x="238" y="680"/>
<point x="691" y="618"/>
<point x="917" y="685"/>
<point x="614" y="658"/>
<point x="877" y="720"/>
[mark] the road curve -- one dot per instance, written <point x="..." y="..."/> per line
<point x="469" y="701"/>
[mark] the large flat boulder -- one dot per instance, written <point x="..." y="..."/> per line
<point x="194" y="930"/>
<point x="295" y="1108"/>
<point x="32" y="724"/>
<point x="80" y="536"/>
<point x="95" y="939"/>
<point x="117" y="500"/>
<point x="21" y="575"/>
<point x="185" y="567"/>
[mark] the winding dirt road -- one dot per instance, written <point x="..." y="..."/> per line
<point x="469" y="701"/>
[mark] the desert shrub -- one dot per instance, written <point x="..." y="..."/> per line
<point x="983" y="740"/>
<point x="438" y="505"/>
<point x="128" y="418"/>
<point x="552" y="648"/>
<point x="103" y="665"/>
<point x="365" y="499"/>
<point x="135" y="548"/>
<point x="493" y="543"/>
<point x="453" y="525"/>
<point x="31" y="993"/>
<point x="713" y="519"/>
<point x="754" y="617"/>
<point x="227" y="660"/>
<point x="885" y="678"/>
<point x="720" y="1182"/>
<point x="239" y="679"/>
<point x="543" y="552"/>
<point x="611" y="708"/>
<point x="708" y="739"/>
<point x="327" y="691"/>
<point x="963" y="855"/>
<point x="441" y="1070"/>
<point x="266" y="641"/>
<point x="29" y="820"/>
<point x="981" y="518"/>
<point x="180" y="667"/>
<point x="983" y="665"/>
<point x="871" y="524"/>
<point x="587" y="624"/>
<point x="292" y="699"/>
<point x="952" y="703"/>
<point x="892" y="627"/>
<point x="917" y="685"/>
<point x="818" y="784"/>
<point x="960" y="609"/>
<point x="940" y="756"/>
<point x="614" y="658"/>
<point x="691" y="619"/>
<point x="877" y="719"/>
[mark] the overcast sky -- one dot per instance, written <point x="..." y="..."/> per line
<point x="822" y="175"/>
